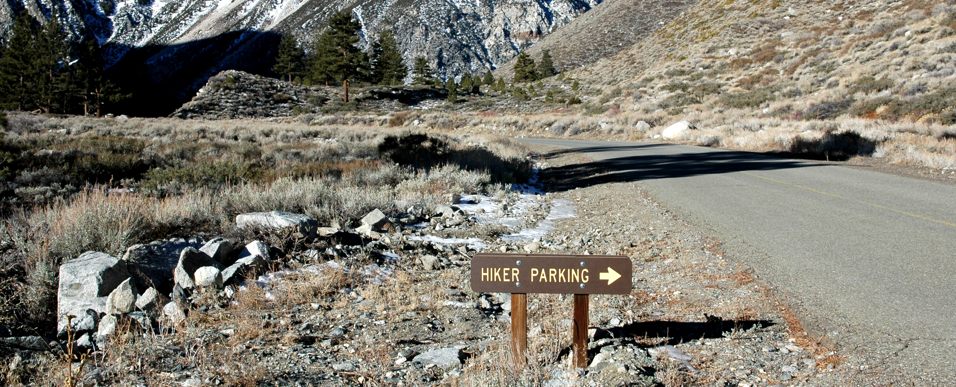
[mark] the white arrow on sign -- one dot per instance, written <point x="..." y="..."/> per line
<point x="610" y="276"/>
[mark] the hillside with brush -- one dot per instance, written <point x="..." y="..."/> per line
<point x="828" y="80"/>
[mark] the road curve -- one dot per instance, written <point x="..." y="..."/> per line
<point x="869" y="256"/>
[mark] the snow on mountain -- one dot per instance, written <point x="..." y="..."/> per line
<point x="457" y="36"/>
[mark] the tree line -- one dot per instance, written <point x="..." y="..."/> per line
<point x="336" y="57"/>
<point x="40" y="70"/>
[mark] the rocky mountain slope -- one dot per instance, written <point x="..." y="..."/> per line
<point x="614" y="26"/>
<point x="164" y="51"/>
<point x="457" y="36"/>
<point x="791" y="59"/>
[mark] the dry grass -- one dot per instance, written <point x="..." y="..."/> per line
<point x="341" y="178"/>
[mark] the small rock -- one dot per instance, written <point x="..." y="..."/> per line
<point x="254" y="256"/>
<point x="123" y="299"/>
<point x="327" y="231"/>
<point x="174" y="313"/>
<point x="107" y="327"/>
<point x="444" y="358"/>
<point x="375" y="220"/>
<point x="343" y="367"/>
<point x="208" y="277"/>
<point x="84" y="341"/>
<point x="642" y="126"/>
<point x="190" y="260"/>
<point x="447" y="212"/>
<point x="140" y="317"/>
<point x="148" y="300"/>
<point x="255" y="248"/>
<point x="532" y="247"/>
<point x="220" y="250"/>
<point x="86" y="322"/>
<point x="429" y="262"/>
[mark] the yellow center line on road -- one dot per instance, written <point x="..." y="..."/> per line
<point x="863" y="202"/>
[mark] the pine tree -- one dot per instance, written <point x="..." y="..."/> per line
<point x="55" y="84"/>
<point x="475" y="84"/>
<point x="422" y="73"/>
<point x="466" y="84"/>
<point x="337" y="56"/>
<point x="546" y="67"/>
<point x="489" y="79"/>
<point x="525" y="69"/>
<point x="94" y="89"/>
<point x="500" y="85"/>
<point x="452" y="88"/>
<point x="388" y="67"/>
<point x="18" y="70"/>
<point x="290" y="58"/>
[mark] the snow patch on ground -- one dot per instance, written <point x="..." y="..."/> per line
<point x="560" y="209"/>
<point x="472" y="243"/>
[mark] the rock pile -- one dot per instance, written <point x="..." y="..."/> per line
<point x="236" y="94"/>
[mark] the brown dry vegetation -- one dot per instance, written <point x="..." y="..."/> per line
<point x="201" y="174"/>
<point x="783" y="73"/>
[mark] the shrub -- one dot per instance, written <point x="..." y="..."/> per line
<point x="834" y="146"/>
<point x="869" y="85"/>
<point x="868" y="108"/>
<point x="415" y="150"/>
<point x="213" y="174"/>
<point x="679" y="100"/>
<point x="747" y="99"/>
<point x="827" y="110"/>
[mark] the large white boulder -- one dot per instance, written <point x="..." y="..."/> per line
<point x="85" y="283"/>
<point x="677" y="131"/>
<point x="304" y="224"/>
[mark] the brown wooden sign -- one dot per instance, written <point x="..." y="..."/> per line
<point x="541" y="273"/>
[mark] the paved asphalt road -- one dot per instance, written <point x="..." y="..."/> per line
<point x="869" y="256"/>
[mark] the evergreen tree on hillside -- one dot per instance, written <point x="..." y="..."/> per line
<point x="34" y="71"/>
<point x="500" y="85"/>
<point x="452" y="88"/>
<point x="525" y="69"/>
<point x="422" y="73"/>
<point x="19" y="71"/>
<point x="290" y="58"/>
<point x="488" y="79"/>
<point x="475" y="84"/>
<point x="337" y="56"/>
<point x="466" y="84"/>
<point x="546" y="66"/>
<point x="388" y="67"/>
<point x="55" y="86"/>
<point x="94" y="89"/>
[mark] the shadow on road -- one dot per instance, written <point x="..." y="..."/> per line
<point x="655" y="166"/>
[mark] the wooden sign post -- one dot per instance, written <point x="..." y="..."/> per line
<point x="580" y="275"/>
